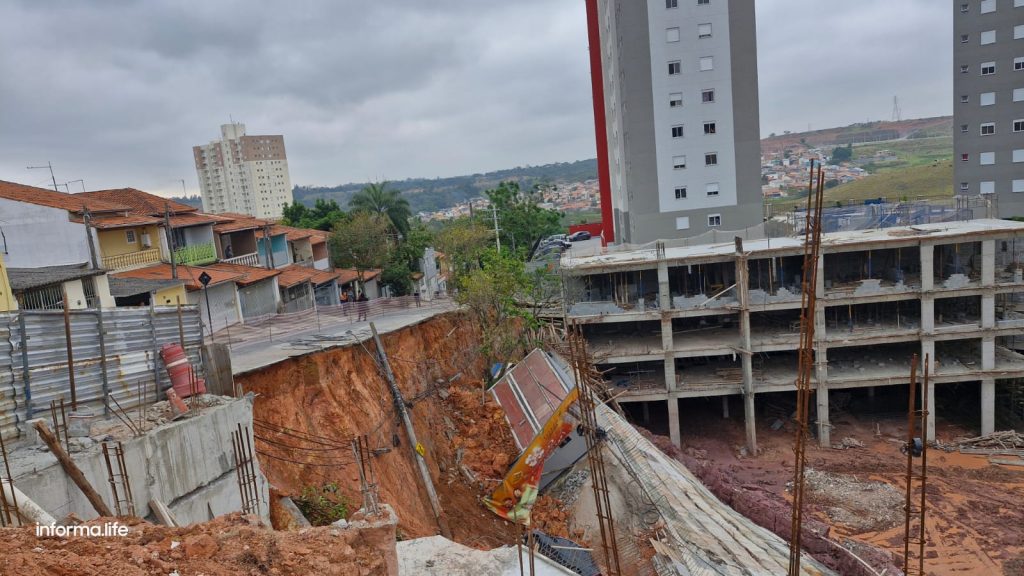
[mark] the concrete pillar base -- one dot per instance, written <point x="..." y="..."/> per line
<point x="824" y="427"/>
<point x="673" y="422"/>
<point x="725" y="407"/>
<point x="988" y="406"/>
<point x="750" y="420"/>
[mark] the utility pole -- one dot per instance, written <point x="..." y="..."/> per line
<point x="87" y="219"/>
<point x="268" y="244"/>
<point x="497" y="231"/>
<point x="50" y="166"/>
<point x="169" y="233"/>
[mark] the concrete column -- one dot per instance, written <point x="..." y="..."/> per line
<point x="820" y="284"/>
<point x="673" y="421"/>
<point x="927" y="257"/>
<point x="988" y="406"/>
<point x="646" y="407"/>
<point x="664" y="297"/>
<point x="930" y="423"/>
<point x="988" y="262"/>
<point x="725" y="407"/>
<point x="988" y="353"/>
<point x="927" y="351"/>
<point x="670" y="373"/>
<point x="746" y="362"/>
<point x="927" y="314"/>
<point x="821" y="375"/>
<point x="988" y="311"/>
<point x="667" y="342"/>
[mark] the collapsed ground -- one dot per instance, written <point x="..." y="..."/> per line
<point x="974" y="514"/>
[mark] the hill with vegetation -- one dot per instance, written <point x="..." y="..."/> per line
<point x="861" y="132"/>
<point x="429" y="194"/>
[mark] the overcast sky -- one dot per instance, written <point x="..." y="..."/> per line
<point x="116" y="92"/>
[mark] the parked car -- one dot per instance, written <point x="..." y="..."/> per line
<point x="555" y="238"/>
<point x="549" y="243"/>
<point x="581" y="235"/>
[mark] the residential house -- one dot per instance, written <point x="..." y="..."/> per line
<point x="257" y="288"/>
<point x="428" y="280"/>
<point x="299" y="243"/>
<point x="349" y="284"/>
<point x="301" y="286"/>
<point x="219" y="303"/>
<point x="140" y="237"/>
<point x="49" y="287"/>
<point x="241" y="239"/>
<point x="145" y="291"/>
<point x="7" y="300"/>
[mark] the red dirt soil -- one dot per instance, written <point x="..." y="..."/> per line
<point x="974" y="514"/>
<point x="339" y="393"/>
<point x="226" y="546"/>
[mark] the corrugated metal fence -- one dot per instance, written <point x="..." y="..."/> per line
<point x="129" y="368"/>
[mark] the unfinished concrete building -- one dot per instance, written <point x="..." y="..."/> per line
<point x="671" y="323"/>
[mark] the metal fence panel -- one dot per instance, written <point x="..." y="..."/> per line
<point x="132" y="338"/>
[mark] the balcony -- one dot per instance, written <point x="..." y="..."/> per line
<point x="306" y="262"/>
<point x="132" y="260"/>
<point x="245" y="260"/>
<point x="196" y="255"/>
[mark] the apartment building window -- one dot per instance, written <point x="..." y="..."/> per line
<point x="1018" y="155"/>
<point x="964" y="8"/>
<point x="709" y="128"/>
<point x="675" y="100"/>
<point x="964" y="187"/>
<point x="711" y="159"/>
<point x="679" y="162"/>
<point x="703" y="30"/>
<point x="1018" y="63"/>
<point x="1018" y="3"/>
<point x="129" y="236"/>
<point x="988" y="37"/>
<point x="1018" y="94"/>
<point x="965" y="157"/>
<point x="988" y="6"/>
<point x="711" y="189"/>
<point x="1018" y="125"/>
<point x="964" y="68"/>
<point x="672" y="35"/>
<point x="680" y="192"/>
<point x="677" y="131"/>
<point x="683" y="223"/>
<point x="674" y="68"/>
<point x="707" y="95"/>
<point x="987" y="98"/>
<point x="714" y="220"/>
<point x="964" y="98"/>
<point x="964" y="128"/>
<point x="988" y="128"/>
<point x="703" y="2"/>
<point x="1018" y="186"/>
<point x="671" y="3"/>
<point x="964" y="38"/>
<point x="987" y="187"/>
<point x="1018" y="32"/>
<point x="707" y="63"/>
<point x="987" y="158"/>
<point x="988" y="68"/>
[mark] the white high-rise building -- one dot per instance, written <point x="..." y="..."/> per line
<point x="244" y="174"/>
<point x="679" y="114"/>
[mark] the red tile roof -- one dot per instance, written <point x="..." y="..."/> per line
<point x="346" y="275"/>
<point x="104" y="222"/>
<point x="187" y="274"/>
<point x="231" y="222"/>
<point x="294" y="274"/>
<point x="138" y="202"/>
<point x="193" y="219"/>
<point x="249" y="274"/>
<point x="51" y="199"/>
<point x="291" y="232"/>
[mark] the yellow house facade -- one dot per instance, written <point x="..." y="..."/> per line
<point x="7" y="300"/>
<point x="124" y="248"/>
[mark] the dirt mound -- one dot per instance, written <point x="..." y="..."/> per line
<point x="228" y="545"/>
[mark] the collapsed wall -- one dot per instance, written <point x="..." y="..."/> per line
<point x="187" y="464"/>
<point x="336" y="394"/>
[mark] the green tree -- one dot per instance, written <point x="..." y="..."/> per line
<point x="322" y="216"/>
<point x="521" y="220"/>
<point x="360" y="242"/>
<point x="491" y="293"/>
<point x="405" y="259"/>
<point x="463" y="242"/>
<point x="842" y="154"/>
<point x="377" y="198"/>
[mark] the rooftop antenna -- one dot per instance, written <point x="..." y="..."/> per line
<point x="50" y="166"/>
<point x="80" y="181"/>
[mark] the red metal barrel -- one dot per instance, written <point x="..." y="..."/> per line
<point x="180" y="371"/>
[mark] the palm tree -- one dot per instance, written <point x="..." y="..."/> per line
<point x="377" y="198"/>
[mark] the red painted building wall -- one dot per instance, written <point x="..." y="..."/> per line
<point x="600" y="130"/>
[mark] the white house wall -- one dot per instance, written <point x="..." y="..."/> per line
<point x="41" y="236"/>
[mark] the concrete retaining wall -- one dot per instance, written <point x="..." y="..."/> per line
<point x="188" y="465"/>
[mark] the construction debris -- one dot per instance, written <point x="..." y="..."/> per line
<point x="1002" y="442"/>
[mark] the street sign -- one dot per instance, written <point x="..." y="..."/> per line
<point x="205" y="278"/>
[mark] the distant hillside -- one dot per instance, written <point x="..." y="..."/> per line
<point x="913" y="183"/>
<point x="861" y="132"/>
<point x="427" y="195"/>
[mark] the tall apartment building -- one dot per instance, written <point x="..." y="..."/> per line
<point x="680" y="114"/>
<point x="243" y="174"/>
<point x="988" y="91"/>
